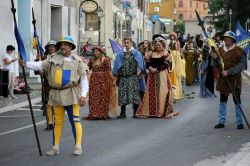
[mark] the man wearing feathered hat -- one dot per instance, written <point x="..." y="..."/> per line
<point x="64" y="71"/>
<point x="234" y="62"/>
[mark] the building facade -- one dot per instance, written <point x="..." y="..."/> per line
<point x="164" y="9"/>
<point x="185" y="9"/>
<point x="172" y="11"/>
<point x="55" y="18"/>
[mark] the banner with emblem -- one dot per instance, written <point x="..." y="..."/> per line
<point x="242" y="38"/>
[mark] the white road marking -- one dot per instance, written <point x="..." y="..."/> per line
<point x="21" y="128"/>
<point x="18" y="116"/>
<point x="16" y="106"/>
<point x="27" y="109"/>
<point x="242" y="158"/>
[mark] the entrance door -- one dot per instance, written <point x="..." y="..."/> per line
<point x="56" y="22"/>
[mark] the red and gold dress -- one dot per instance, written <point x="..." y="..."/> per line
<point x="102" y="94"/>
<point x="157" y="100"/>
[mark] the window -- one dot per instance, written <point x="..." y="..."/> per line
<point x="157" y="9"/>
<point x="180" y="4"/>
<point x="190" y="4"/>
<point x="197" y="5"/>
<point x="180" y="17"/>
<point x="92" y="22"/>
<point x="204" y="6"/>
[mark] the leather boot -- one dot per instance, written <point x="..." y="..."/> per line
<point x="135" y="108"/>
<point x="123" y="112"/>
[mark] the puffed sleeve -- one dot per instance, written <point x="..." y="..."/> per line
<point x="90" y="64"/>
<point x="82" y="68"/>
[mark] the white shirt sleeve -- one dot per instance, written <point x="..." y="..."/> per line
<point x="84" y="86"/>
<point x="34" y="65"/>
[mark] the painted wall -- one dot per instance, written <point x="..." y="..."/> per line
<point x="7" y="30"/>
<point x="165" y="8"/>
<point x="189" y="6"/>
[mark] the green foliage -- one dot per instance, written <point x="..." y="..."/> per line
<point x="240" y="12"/>
<point x="180" y="26"/>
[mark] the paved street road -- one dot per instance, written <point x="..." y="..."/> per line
<point x="186" y="140"/>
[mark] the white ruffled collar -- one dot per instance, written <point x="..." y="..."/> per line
<point x="131" y="49"/>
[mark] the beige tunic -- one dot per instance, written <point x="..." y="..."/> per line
<point x="62" y="73"/>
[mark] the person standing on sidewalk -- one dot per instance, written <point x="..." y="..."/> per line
<point x="234" y="62"/>
<point x="64" y="70"/>
<point x="129" y="70"/>
<point x="8" y="63"/>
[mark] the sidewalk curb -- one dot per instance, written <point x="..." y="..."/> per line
<point x="242" y="158"/>
<point x="246" y="73"/>
<point x="18" y="105"/>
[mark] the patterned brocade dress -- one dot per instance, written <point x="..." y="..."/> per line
<point x="157" y="100"/>
<point x="129" y="90"/>
<point x="102" y="95"/>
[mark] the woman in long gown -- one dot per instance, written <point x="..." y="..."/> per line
<point x="189" y="55"/>
<point x="176" y="73"/>
<point x="146" y="49"/>
<point x="102" y="95"/>
<point x="157" y="100"/>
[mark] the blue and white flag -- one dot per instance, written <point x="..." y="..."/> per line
<point x="20" y="44"/>
<point x="242" y="38"/>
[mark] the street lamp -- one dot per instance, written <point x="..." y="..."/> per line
<point x="154" y="18"/>
<point x="153" y="29"/>
<point x="99" y="13"/>
<point x="116" y="14"/>
<point x="174" y="27"/>
<point x="230" y="18"/>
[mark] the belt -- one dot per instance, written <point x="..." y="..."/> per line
<point x="64" y="87"/>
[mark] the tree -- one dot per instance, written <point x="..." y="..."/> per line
<point x="180" y="26"/>
<point x="219" y="9"/>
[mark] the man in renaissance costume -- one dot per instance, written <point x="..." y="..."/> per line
<point x="129" y="70"/>
<point x="235" y="61"/>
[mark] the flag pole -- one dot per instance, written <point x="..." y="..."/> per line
<point x="13" y="10"/>
<point x="201" y="23"/>
<point x="39" y="58"/>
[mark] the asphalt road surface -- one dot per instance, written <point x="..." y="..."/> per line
<point x="188" y="139"/>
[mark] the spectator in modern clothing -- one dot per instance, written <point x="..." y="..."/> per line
<point x="8" y="63"/>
